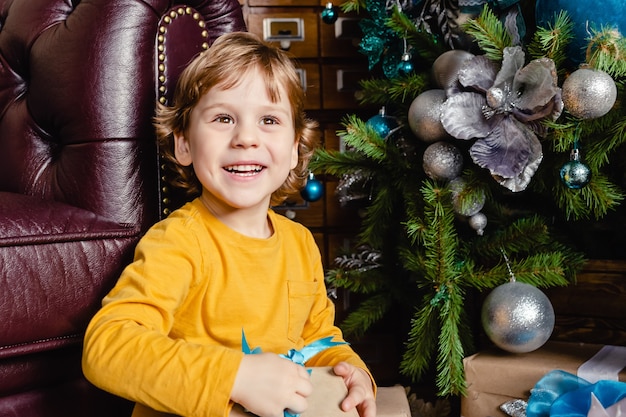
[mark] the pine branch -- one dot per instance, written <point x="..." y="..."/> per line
<point x="367" y="313"/>
<point x="490" y="34"/>
<point x="551" y="42"/>
<point x="604" y="135"/>
<point x="521" y="236"/>
<point x="486" y="279"/>
<point x="381" y="91"/>
<point x="413" y="260"/>
<point x="450" y="371"/>
<point x="594" y="200"/>
<point x="337" y="163"/>
<point x="421" y="41"/>
<point x="541" y="269"/>
<point x="440" y="240"/>
<point x="353" y="6"/>
<point x="361" y="282"/>
<point x="378" y="217"/>
<point x="363" y="138"/>
<point x="556" y="267"/>
<point x="421" y="342"/>
<point x="563" y="134"/>
<point x="442" y="270"/>
<point x="606" y="51"/>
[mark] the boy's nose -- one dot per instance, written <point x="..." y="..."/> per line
<point x="245" y="136"/>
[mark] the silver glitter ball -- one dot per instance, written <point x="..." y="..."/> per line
<point x="472" y="205"/>
<point x="589" y="93"/>
<point x="478" y="222"/>
<point x="424" y="116"/>
<point x="442" y="161"/>
<point x="517" y="317"/>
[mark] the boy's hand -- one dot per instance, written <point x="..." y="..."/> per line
<point x="267" y="385"/>
<point x="360" y="390"/>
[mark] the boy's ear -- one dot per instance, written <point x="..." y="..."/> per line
<point x="182" y="152"/>
<point x="295" y="157"/>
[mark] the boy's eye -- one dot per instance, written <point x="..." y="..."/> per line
<point x="224" y="119"/>
<point x="268" y="120"/>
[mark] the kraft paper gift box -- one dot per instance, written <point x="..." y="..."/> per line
<point x="329" y="391"/>
<point x="494" y="376"/>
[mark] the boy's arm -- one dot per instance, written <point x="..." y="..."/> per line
<point x="128" y="350"/>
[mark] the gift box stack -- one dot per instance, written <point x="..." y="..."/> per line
<point x="592" y="311"/>
<point x="495" y="377"/>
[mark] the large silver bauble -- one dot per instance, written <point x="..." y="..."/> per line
<point x="517" y="317"/>
<point x="442" y="161"/>
<point x="424" y="116"/>
<point x="446" y="67"/>
<point x="589" y="93"/>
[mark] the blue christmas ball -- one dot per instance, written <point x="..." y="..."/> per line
<point x="585" y="15"/>
<point x="405" y="67"/>
<point x="382" y="124"/>
<point x="313" y="190"/>
<point x="575" y="174"/>
<point x="330" y="14"/>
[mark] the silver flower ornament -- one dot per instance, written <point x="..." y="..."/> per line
<point x="502" y="109"/>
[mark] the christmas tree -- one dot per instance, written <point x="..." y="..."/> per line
<point x="487" y="143"/>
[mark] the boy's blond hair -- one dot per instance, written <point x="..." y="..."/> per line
<point x="231" y="56"/>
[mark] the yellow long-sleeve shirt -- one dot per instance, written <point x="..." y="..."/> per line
<point x="168" y="335"/>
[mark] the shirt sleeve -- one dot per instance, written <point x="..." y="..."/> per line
<point x="128" y="349"/>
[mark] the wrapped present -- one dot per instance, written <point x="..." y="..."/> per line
<point x="328" y="392"/>
<point x="495" y="377"/>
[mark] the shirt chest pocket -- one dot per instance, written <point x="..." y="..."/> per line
<point x="301" y="298"/>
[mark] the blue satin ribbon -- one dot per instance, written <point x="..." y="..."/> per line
<point x="561" y="394"/>
<point x="294" y="355"/>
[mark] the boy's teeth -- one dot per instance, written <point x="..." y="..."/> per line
<point x="244" y="168"/>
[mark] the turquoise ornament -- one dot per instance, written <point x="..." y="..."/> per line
<point x="330" y="14"/>
<point x="574" y="173"/>
<point x="405" y="67"/>
<point x="313" y="190"/>
<point x="584" y="15"/>
<point x="383" y="125"/>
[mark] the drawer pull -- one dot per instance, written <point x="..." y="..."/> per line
<point x="284" y="30"/>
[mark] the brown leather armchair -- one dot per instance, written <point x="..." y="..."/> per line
<point x="79" y="174"/>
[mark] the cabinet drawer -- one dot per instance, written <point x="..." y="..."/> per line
<point x="294" y="30"/>
<point x="310" y="76"/>
<point x="342" y="38"/>
<point x="341" y="86"/>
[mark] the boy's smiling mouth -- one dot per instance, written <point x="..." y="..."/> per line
<point x="244" y="170"/>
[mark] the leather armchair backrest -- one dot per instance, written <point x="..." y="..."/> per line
<point x="78" y="86"/>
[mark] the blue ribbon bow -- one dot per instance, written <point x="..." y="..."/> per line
<point x="562" y="394"/>
<point x="294" y="355"/>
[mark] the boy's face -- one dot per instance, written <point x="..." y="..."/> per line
<point x="242" y="146"/>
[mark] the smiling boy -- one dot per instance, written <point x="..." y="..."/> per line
<point x="169" y="334"/>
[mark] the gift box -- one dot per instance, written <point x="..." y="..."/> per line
<point x="495" y="377"/>
<point x="329" y="390"/>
